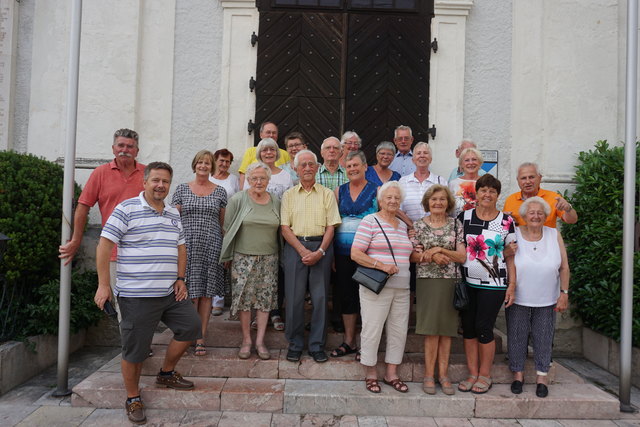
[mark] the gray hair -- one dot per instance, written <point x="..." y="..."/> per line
<point x="474" y="151"/>
<point x="264" y="143"/>
<point x="125" y="133"/>
<point x="402" y="127"/>
<point x="467" y="141"/>
<point x="256" y="165"/>
<point x="329" y="139"/>
<point x="524" y="207"/>
<point x="386" y="145"/>
<point x="422" y="144"/>
<point x="350" y="134"/>
<point x="301" y="152"/>
<point x="390" y="184"/>
<point x="530" y="164"/>
<point x="359" y="154"/>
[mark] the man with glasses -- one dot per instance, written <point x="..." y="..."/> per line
<point x="331" y="174"/>
<point x="403" y="161"/>
<point x="108" y="185"/>
<point x="350" y="141"/>
<point x="308" y="217"/>
<point x="267" y="130"/>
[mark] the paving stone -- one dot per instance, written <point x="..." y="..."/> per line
<point x="627" y="423"/>
<point x="372" y="421"/>
<point x="251" y="394"/>
<point x="539" y="423"/>
<point x="411" y="421"/>
<point x="324" y="420"/>
<point x="348" y="421"/>
<point x="106" y="418"/>
<point x="479" y="422"/>
<point x="24" y="395"/>
<point x="285" y="420"/>
<point x="565" y="401"/>
<point x="195" y="418"/>
<point x="12" y="414"/>
<point x="587" y="423"/>
<point x="351" y="398"/>
<point x="452" y="422"/>
<point x="235" y="419"/>
<point x="54" y="416"/>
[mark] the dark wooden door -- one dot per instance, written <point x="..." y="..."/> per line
<point x="325" y="73"/>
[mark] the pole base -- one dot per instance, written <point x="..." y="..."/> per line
<point x="629" y="409"/>
<point x="61" y="393"/>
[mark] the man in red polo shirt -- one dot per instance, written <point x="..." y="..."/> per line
<point x="108" y="185"/>
<point x="529" y="179"/>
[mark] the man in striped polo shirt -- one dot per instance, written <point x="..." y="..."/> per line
<point x="152" y="260"/>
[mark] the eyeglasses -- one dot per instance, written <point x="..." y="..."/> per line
<point x="403" y="138"/>
<point x="271" y="149"/>
<point x="305" y="165"/>
<point x="352" y="143"/>
<point x="331" y="147"/>
<point x="258" y="179"/>
<point x="296" y="145"/>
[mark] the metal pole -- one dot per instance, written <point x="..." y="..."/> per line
<point x="67" y="200"/>
<point x="629" y="206"/>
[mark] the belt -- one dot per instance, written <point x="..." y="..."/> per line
<point x="310" y="238"/>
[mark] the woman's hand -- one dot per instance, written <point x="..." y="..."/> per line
<point x="388" y="268"/>
<point x="440" y="259"/>
<point x="563" y="303"/>
<point x="510" y="249"/>
<point x="226" y="265"/>
<point x="510" y="296"/>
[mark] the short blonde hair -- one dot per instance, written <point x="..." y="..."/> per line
<point x="451" y="203"/>
<point x="471" y="150"/>
<point x="199" y="156"/>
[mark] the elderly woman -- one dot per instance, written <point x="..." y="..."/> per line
<point x="490" y="276"/>
<point x="251" y="244"/>
<point x="268" y="153"/>
<point x="356" y="199"/>
<point x="201" y="204"/>
<point x="380" y="173"/>
<point x="223" y="159"/>
<point x="542" y="289"/>
<point x="464" y="188"/>
<point x="441" y="236"/>
<point x="293" y="142"/>
<point x="349" y="143"/>
<point x="391" y="306"/>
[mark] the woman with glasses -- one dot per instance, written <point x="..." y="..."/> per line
<point x="350" y="142"/>
<point x="293" y="142"/>
<point x="380" y="173"/>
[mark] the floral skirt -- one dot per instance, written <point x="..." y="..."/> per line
<point x="254" y="282"/>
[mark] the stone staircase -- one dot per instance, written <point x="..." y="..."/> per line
<point x="226" y="383"/>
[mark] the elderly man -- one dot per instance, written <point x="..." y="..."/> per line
<point x="350" y="141"/>
<point x="309" y="215"/>
<point x="267" y="130"/>
<point x="529" y="178"/>
<point x="403" y="161"/>
<point x="457" y="172"/>
<point x="108" y="185"/>
<point x="152" y="259"/>
<point x="331" y="174"/>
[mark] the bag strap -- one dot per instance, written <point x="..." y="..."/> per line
<point x="388" y="242"/>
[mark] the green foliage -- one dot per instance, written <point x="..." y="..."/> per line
<point x="43" y="314"/>
<point x="594" y="244"/>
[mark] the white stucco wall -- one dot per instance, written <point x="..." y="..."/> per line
<point x="22" y="92"/>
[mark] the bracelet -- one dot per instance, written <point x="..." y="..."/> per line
<point x="375" y="263"/>
<point x="180" y="278"/>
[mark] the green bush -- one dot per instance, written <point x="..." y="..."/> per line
<point x="595" y="242"/>
<point x="43" y="315"/>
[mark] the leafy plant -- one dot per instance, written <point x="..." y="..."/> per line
<point x="594" y="243"/>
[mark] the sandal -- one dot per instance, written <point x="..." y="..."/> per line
<point x="342" y="350"/>
<point x="466" y="385"/>
<point x="397" y="385"/>
<point x="447" y="387"/>
<point x="372" y="385"/>
<point x="278" y="324"/>
<point x="429" y="389"/>
<point x="483" y="385"/>
<point x="254" y="325"/>
<point x="200" y="350"/>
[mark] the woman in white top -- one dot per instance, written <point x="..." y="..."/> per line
<point x="464" y="188"/>
<point x="542" y="289"/>
<point x="268" y="153"/>
<point x="230" y="182"/>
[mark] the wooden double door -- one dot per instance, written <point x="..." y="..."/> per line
<point x="323" y="73"/>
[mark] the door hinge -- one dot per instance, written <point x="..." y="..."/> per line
<point x="432" y="131"/>
<point x="251" y="126"/>
<point x="434" y="45"/>
<point x="254" y="39"/>
<point x="252" y="84"/>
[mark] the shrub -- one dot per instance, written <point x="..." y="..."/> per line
<point x="595" y="242"/>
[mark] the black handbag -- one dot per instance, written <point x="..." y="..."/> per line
<point x="460" y="293"/>
<point x="372" y="278"/>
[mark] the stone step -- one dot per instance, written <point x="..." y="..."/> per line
<point x="565" y="401"/>
<point x="224" y="363"/>
<point x="222" y="332"/>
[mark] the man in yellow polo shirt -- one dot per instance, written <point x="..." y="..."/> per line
<point x="308" y="216"/>
<point x="267" y="130"/>
<point x="529" y="178"/>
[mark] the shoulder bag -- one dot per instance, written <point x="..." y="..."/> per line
<point x="372" y="278"/>
<point x="461" y="293"/>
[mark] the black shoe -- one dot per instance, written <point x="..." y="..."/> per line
<point x="319" y="356"/>
<point x="294" y="355"/>
<point x="542" y="390"/>
<point x="516" y="387"/>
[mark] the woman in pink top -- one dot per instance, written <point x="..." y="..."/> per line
<point x="391" y="307"/>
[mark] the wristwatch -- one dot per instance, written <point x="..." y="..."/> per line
<point x="565" y="291"/>
<point x="180" y="278"/>
<point x="323" y="252"/>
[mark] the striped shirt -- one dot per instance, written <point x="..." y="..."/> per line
<point x="147" y="247"/>
<point x="414" y="190"/>
<point x="370" y="240"/>
<point x="331" y="180"/>
<point x="308" y="213"/>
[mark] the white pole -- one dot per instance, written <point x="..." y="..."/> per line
<point x="67" y="199"/>
<point x="628" y="228"/>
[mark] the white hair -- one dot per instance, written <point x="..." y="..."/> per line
<point x="301" y="152"/>
<point x="256" y="165"/>
<point x="524" y="207"/>
<point x="402" y="127"/>
<point x="350" y="134"/>
<point x="391" y="184"/>
<point x="532" y="165"/>
<point x="329" y="139"/>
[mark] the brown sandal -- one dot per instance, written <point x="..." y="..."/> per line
<point x="397" y="385"/>
<point x="372" y="385"/>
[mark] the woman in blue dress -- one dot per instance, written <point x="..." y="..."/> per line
<point x="380" y="173"/>
<point x="356" y="199"/>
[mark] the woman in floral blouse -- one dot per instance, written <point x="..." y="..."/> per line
<point x="490" y="276"/>
<point x="442" y="239"/>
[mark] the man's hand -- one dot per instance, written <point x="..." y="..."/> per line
<point x="69" y="250"/>
<point x="180" y="290"/>
<point x="562" y="204"/>
<point x="311" y="258"/>
<point x="102" y="294"/>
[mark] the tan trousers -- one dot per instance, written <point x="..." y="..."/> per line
<point x="390" y="307"/>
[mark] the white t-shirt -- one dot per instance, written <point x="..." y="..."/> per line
<point x="230" y="183"/>
<point x="278" y="184"/>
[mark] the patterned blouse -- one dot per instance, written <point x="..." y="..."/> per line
<point x="444" y="237"/>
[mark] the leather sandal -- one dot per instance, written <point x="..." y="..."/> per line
<point x="342" y="350"/>
<point x="447" y="387"/>
<point x="429" y="389"/>
<point x="397" y="385"/>
<point x="372" y="385"/>
<point x="200" y="350"/>
<point x="466" y="385"/>
<point x="483" y="385"/>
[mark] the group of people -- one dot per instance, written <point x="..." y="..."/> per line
<point x="288" y="227"/>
